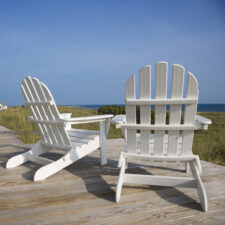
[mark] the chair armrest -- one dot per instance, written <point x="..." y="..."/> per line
<point x="118" y="120"/>
<point x="65" y="115"/>
<point x="202" y="122"/>
<point x="87" y="119"/>
<point x="62" y="116"/>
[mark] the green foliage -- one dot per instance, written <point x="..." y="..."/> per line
<point x="117" y="110"/>
<point x="15" y="118"/>
<point x="112" y="109"/>
<point x="210" y="144"/>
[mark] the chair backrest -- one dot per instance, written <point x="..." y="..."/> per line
<point x="44" y="112"/>
<point x="170" y="139"/>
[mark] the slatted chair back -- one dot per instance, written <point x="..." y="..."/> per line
<point x="171" y="139"/>
<point x="45" y="113"/>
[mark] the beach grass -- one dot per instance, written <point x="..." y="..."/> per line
<point x="15" y="118"/>
<point x="208" y="144"/>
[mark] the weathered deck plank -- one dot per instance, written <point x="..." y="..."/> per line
<point x="84" y="192"/>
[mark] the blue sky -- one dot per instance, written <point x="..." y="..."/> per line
<point x="86" y="50"/>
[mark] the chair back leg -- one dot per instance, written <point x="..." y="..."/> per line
<point x="200" y="188"/>
<point x="36" y="150"/>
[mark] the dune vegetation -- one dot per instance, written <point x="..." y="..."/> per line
<point x="209" y="144"/>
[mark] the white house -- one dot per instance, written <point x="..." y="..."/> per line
<point x="2" y="106"/>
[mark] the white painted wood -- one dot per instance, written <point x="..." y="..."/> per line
<point x="103" y="143"/>
<point x="52" y="110"/>
<point x="160" y="146"/>
<point x="47" y="114"/>
<point x="107" y="125"/>
<point x="145" y="111"/>
<point x="187" y="167"/>
<point x="167" y="181"/>
<point x="120" y="160"/>
<point x="200" y="187"/>
<point x="28" y="97"/>
<point x="203" y="120"/>
<point x="175" y="110"/>
<point x="70" y="157"/>
<point x="83" y="135"/>
<point x="56" y="133"/>
<point x="161" y="127"/>
<point x="160" y="111"/>
<point x="160" y="158"/>
<point x="120" y="180"/>
<point x="165" y="145"/>
<point x="87" y="119"/>
<point x="189" y="114"/>
<point x="39" y="160"/>
<point x="36" y="150"/>
<point x="168" y="101"/>
<point x="40" y="110"/>
<point x="131" y="114"/>
<point x="118" y="120"/>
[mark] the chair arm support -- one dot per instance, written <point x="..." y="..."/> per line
<point x="202" y="122"/>
<point x="118" y="120"/>
<point x="87" y="119"/>
<point x="29" y="118"/>
<point x="65" y="115"/>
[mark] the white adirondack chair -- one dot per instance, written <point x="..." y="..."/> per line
<point x="56" y="132"/>
<point x="175" y="145"/>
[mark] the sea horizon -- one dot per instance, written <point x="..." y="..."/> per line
<point x="202" y="107"/>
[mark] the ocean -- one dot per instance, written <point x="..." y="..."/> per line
<point x="201" y="107"/>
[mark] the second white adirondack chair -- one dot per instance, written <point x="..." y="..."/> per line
<point x="175" y="145"/>
<point x="56" y="132"/>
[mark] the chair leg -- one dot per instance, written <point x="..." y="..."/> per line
<point x="56" y="166"/>
<point x="120" y="180"/>
<point x="187" y="167"/>
<point x="103" y="148"/>
<point x="198" y="163"/>
<point x="37" y="149"/>
<point x="200" y="188"/>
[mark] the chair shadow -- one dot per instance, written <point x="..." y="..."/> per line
<point x="94" y="183"/>
<point x="5" y="156"/>
<point x="106" y="190"/>
<point x="168" y="193"/>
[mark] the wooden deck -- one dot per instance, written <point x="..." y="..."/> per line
<point x="84" y="192"/>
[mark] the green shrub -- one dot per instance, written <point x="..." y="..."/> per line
<point x="117" y="110"/>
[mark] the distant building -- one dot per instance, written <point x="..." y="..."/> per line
<point x="2" y="106"/>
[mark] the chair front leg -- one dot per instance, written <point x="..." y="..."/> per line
<point x="200" y="188"/>
<point x="120" y="180"/>
<point x="103" y="148"/>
